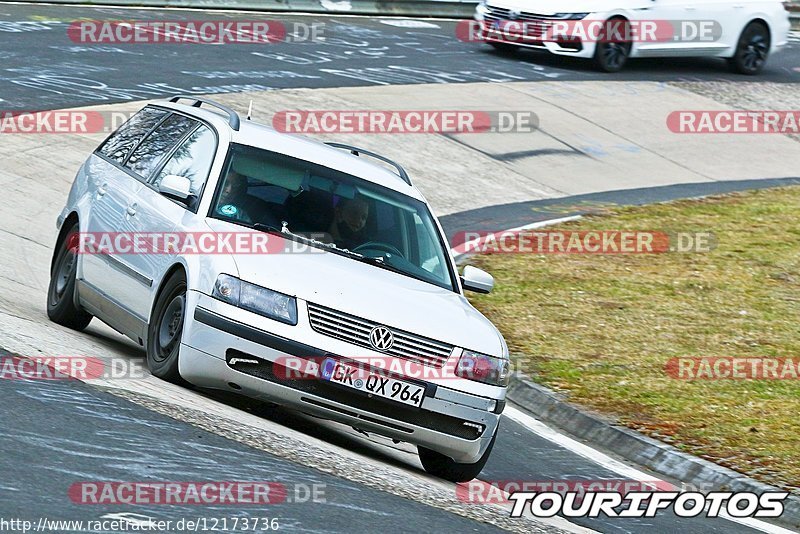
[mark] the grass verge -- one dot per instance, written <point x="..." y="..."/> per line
<point x="603" y="327"/>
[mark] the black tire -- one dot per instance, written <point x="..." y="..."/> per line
<point x="505" y="48"/>
<point x="752" y="50"/>
<point x="439" y="465"/>
<point x="611" y="54"/>
<point x="166" y="329"/>
<point x="61" y="308"/>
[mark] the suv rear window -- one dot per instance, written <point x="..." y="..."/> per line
<point x="118" y="146"/>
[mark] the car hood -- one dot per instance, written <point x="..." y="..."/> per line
<point x="551" y="7"/>
<point x="370" y="292"/>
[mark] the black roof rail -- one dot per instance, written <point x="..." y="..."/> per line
<point x="357" y="151"/>
<point x="233" y="117"/>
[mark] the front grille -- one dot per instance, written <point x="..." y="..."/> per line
<point x="279" y="374"/>
<point x="501" y="13"/>
<point x="356" y="330"/>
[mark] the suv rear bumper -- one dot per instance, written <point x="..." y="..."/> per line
<point x="446" y="422"/>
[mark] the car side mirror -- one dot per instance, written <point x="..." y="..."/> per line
<point x="476" y="280"/>
<point x="176" y="187"/>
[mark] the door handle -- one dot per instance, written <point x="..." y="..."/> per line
<point x="131" y="210"/>
<point x="102" y="190"/>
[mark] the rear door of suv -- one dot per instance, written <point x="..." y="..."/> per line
<point x="109" y="187"/>
<point x="180" y="146"/>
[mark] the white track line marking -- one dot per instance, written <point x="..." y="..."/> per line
<point x="605" y="461"/>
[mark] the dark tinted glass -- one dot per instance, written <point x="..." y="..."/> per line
<point x="123" y="140"/>
<point x="193" y="158"/>
<point x="149" y="153"/>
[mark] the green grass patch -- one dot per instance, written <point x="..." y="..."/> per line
<point x="602" y="327"/>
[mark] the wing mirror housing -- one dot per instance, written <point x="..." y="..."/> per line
<point x="477" y="280"/>
<point x="176" y="187"/>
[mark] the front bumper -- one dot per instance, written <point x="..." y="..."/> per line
<point x="573" y="48"/>
<point x="217" y="340"/>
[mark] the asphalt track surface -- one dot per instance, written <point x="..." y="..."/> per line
<point x="101" y="437"/>
<point x="55" y="433"/>
<point x="42" y="68"/>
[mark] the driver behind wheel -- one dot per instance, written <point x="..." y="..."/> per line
<point x="350" y="218"/>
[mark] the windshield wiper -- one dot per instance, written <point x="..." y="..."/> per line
<point x="285" y="232"/>
<point x="380" y="262"/>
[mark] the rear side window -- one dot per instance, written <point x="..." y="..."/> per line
<point x="123" y="140"/>
<point x="192" y="159"/>
<point x="157" y="145"/>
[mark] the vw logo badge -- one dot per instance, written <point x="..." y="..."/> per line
<point x="381" y="338"/>
<point x="514" y="14"/>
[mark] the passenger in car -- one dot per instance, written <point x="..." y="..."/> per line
<point x="350" y="218"/>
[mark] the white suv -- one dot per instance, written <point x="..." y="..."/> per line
<point x="357" y="316"/>
<point x="744" y="32"/>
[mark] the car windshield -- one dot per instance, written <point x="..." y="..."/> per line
<point x="332" y="210"/>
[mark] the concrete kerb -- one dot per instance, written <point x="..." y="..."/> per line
<point x="550" y="407"/>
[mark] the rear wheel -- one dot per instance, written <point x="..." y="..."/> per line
<point x="165" y="330"/>
<point x="613" y="46"/>
<point x="752" y="50"/>
<point x="445" y="467"/>
<point x="61" y="308"/>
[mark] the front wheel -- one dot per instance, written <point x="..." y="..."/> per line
<point x="61" y="308"/>
<point x="165" y="330"/>
<point x="613" y="46"/>
<point x="752" y="50"/>
<point x="442" y="466"/>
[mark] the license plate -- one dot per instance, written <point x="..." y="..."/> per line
<point x="533" y="30"/>
<point x="373" y="383"/>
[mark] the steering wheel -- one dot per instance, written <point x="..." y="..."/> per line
<point x="383" y="247"/>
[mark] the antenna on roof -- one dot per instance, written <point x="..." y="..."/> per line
<point x="250" y="110"/>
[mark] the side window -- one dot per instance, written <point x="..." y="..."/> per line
<point x="123" y="140"/>
<point x="148" y="154"/>
<point x="193" y="159"/>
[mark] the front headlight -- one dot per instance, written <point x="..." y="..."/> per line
<point x="484" y="368"/>
<point x="571" y="16"/>
<point x="256" y="299"/>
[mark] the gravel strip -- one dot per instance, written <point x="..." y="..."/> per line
<point x="752" y="96"/>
